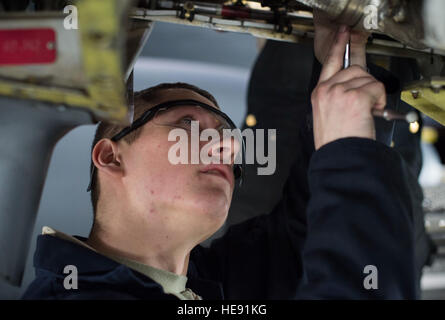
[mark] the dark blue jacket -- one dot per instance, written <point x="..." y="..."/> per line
<point x="359" y="213"/>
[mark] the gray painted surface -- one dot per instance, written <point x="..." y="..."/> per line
<point x="199" y="44"/>
<point x="28" y="134"/>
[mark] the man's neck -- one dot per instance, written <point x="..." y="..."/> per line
<point x="153" y="251"/>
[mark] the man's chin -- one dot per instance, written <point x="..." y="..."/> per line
<point x="212" y="229"/>
<point x="214" y="212"/>
<point x="219" y="196"/>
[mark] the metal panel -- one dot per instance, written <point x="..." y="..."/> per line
<point x="29" y="131"/>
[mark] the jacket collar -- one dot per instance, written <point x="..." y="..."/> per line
<point x="53" y="254"/>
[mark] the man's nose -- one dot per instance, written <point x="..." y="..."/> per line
<point x="225" y="150"/>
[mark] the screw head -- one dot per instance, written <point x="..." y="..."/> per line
<point x="436" y="88"/>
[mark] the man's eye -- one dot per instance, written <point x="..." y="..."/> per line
<point x="187" y="121"/>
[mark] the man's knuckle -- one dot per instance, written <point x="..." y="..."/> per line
<point x="338" y="89"/>
<point x="381" y="86"/>
<point x="315" y="97"/>
<point x="315" y="94"/>
<point x="354" y="95"/>
<point x="357" y="71"/>
<point x="321" y="90"/>
<point x="323" y="86"/>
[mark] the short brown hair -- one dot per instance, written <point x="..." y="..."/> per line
<point x="108" y="130"/>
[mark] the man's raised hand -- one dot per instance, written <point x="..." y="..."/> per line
<point x="343" y="100"/>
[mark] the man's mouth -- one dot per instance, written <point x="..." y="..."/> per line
<point x="221" y="170"/>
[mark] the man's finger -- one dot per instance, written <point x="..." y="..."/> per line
<point x="376" y="93"/>
<point x="356" y="83"/>
<point x="334" y="60"/>
<point x="349" y="74"/>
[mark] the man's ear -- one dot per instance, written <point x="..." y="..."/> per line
<point x="105" y="157"/>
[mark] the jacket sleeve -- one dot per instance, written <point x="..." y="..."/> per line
<point x="358" y="214"/>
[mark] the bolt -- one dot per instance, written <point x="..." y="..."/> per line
<point x="398" y="11"/>
<point x="189" y="6"/>
<point x="436" y="88"/>
<point x="415" y="94"/>
<point x="400" y="15"/>
<point x="100" y="39"/>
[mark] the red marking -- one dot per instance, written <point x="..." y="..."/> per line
<point x="152" y="192"/>
<point x="27" y="46"/>
<point x="235" y="12"/>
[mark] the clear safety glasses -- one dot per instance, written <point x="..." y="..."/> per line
<point x="189" y="115"/>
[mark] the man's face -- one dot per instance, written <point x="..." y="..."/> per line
<point x="186" y="198"/>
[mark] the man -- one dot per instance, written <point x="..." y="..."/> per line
<point x="151" y="215"/>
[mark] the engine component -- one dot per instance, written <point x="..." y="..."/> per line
<point x="399" y="19"/>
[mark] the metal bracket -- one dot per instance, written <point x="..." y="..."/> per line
<point x="102" y="58"/>
<point x="427" y="96"/>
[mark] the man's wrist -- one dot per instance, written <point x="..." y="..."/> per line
<point x="345" y="148"/>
